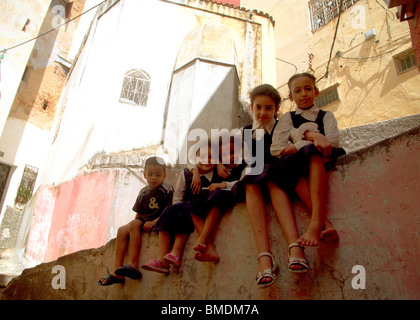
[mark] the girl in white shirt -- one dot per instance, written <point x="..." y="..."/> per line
<point x="256" y="188"/>
<point x="313" y="134"/>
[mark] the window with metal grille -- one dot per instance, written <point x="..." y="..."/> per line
<point x="405" y="61"/>
<point x="324" y="11"/>
<point x="136" y="87"/>
<point x="327" y="97"/>
<point x="26" y="185"/>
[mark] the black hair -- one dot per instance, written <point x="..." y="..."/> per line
<point x="265" y="90"/>
<point x="155" y="161"/>
<point x="298" y="75"/>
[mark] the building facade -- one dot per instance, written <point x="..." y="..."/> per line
<point x="146" y="73"/>
<point x="139" y="76"/>
<point x="363" y="59"/>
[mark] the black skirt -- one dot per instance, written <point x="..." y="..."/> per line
<point x="175" y="219"/>
<point x="284" y="172"/>
<point x="220" y="198"/>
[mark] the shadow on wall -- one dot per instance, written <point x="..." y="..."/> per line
<point x="29" y="91"/>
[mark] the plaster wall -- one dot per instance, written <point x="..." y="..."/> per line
<point x="14" y="16"/>
<point x="415" y="33"/>
<point x="203" y="96"/>
<point x="372" y="201"/>
<point x="20" y="150"/>
<point x="91" y="119"/>
<point x="25" y="137"/>
<point x="364" y="70"/>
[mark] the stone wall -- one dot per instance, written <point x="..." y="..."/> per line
<point x="372" y="201"/>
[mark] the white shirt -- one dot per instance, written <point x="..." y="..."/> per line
<point x="285" y="132"/>
<point x="181" y="186"/>
<point x="267" y="128"/>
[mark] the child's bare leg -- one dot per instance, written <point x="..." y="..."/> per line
<point x="317" y="182"/>
<point x="210" y="254"/>
<point x="135" y="227"/>
<point x="209" y="224"/>
<point x="329" y="233"/>
<point x="164" y="247"/>
<point x="283" y="208"/>
<point x="179" y="242"/>
<point x="257" y="216"/>
<point x="121" y="245"/>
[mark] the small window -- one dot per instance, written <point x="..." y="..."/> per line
<point x="405" y="61"/>
<point x="324" y="11"/>
<point x="327" y="97"/>
<point x="136" y="87"/>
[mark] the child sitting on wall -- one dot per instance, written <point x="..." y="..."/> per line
<point x="175" y="224"/>
<point x="149" y="205"/>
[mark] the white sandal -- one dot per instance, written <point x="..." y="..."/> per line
<point x="267" y="273"/>
<point x="297" y="261"/>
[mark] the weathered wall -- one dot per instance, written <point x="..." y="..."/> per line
<point x="369" y="88"/>
<point x="107" y="187"/>
<point x="415" y="33"/>
<point x="372" y="201"/>
<point x="25" y="137"/>
<point x="103" y="122"/>
<point x="13" y="18"/>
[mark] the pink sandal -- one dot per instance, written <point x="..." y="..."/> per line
<point x="173" y="259"/>
<point x="154" y="265"/>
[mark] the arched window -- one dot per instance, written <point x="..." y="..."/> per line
<point x="136" y="87"/>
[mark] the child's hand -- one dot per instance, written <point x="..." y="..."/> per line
<point x="288" y="150"/>
<point x="222" y="170"/>
<point x="148" y="225"/>
<point x="322" y="144"/>
<point x="215" y="186"/>
<point x="196" y="182"/>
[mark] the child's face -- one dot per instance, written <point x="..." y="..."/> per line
<point x="227" y="154"/>
<point x="154" y="175"/>
<point x="303" y="92"/>
<point x="206" y="161"/>
<point x="264" y="109"/>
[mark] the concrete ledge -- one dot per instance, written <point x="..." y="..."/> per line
<point x="373" y="202"/>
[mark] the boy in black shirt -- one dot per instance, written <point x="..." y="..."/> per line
<point x="149" y="205"/>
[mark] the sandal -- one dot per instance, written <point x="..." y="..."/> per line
<point x="173" y="259"/>
<point x="297" y="261"/>
<point x="109" y="280"/>
<point x="267" y="273"/>
<point x="154" y="265"/>
<point x="128" y="271"/>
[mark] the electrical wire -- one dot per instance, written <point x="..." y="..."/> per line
<point x="288" y="63"/>
<point x="387" y="11"/>
<point x="332" y="46"/>
<point x="377" y="56"/>
<point x="59" y="26"/>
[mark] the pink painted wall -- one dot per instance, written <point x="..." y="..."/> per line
<point x="234" y="2"/>
<point x="42" y="206"/>
<point x="72" y="216"/>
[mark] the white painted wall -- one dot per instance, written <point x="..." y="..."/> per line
<point x="18" y="148"/>
<point x="135" y="35"/>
